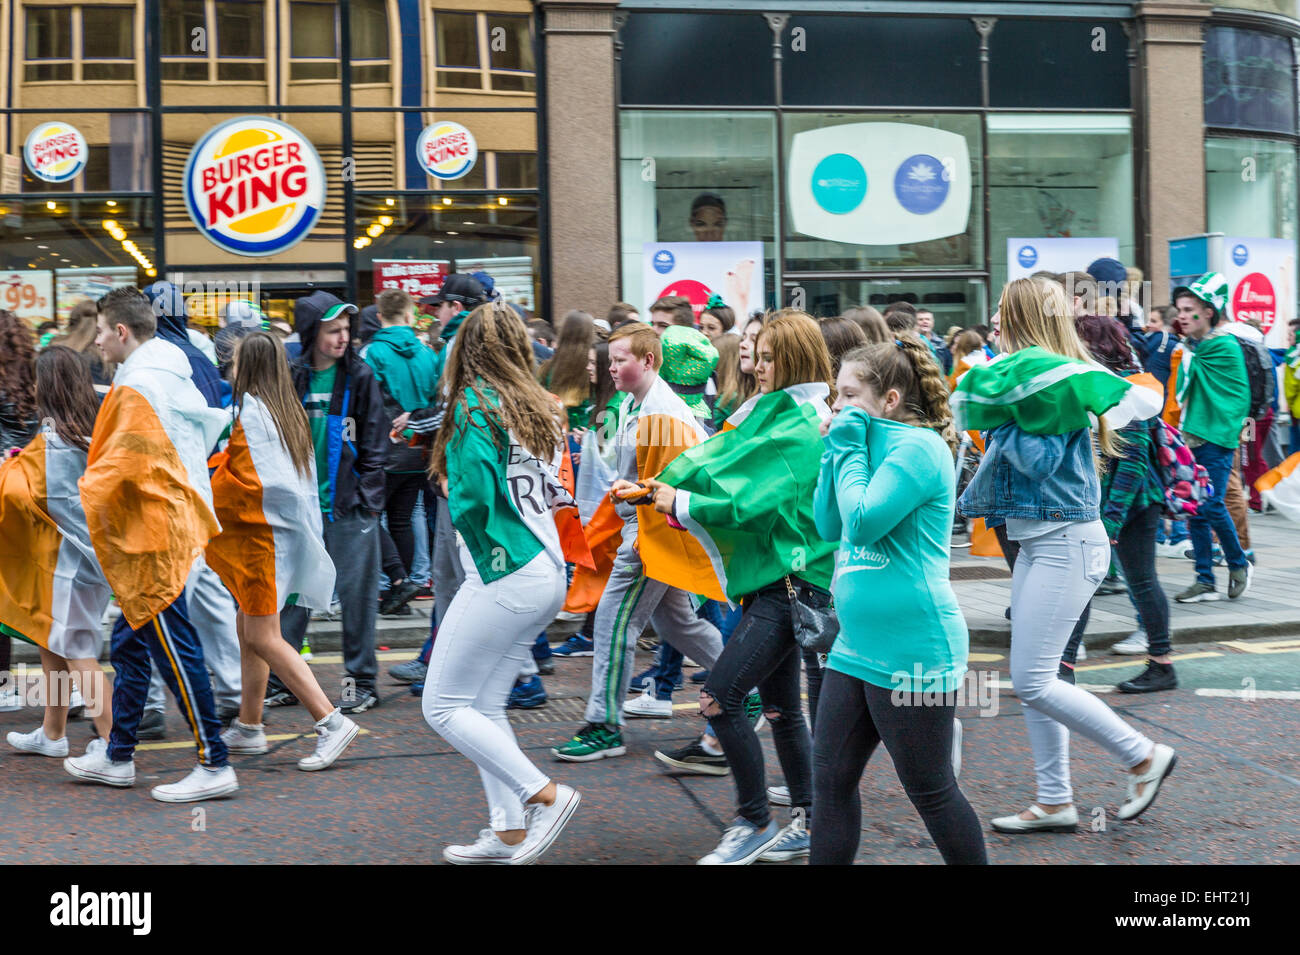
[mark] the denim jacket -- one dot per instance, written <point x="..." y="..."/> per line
<point x="1034" y="477"/>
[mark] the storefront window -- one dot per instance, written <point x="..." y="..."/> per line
<point x="704" y="59"/>
<point x="118" y="151"/>
<point x="386" y="150"/>
<point x="1250" y="187"/>
<point x="698" y="178"/>
<point x="882" y="191"/>
<point x="951" y="301"/>
<point x="411" y="242"/>
<point x="1059" y="176"/>
<point x="1060" y="64"/>
<point x="1249" y="80"/>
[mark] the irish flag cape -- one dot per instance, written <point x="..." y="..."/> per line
<point x="270" y="545"/>
<point x="52" y="592"/>
<point x="1046" y="393"/>
<point x="145" y="491"/>
<point x="746" y="497"/>
<point x="1281" y="487"/>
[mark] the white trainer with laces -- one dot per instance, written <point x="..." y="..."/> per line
<point x="96" y="767"/>
<point x="37" y="742"/>
<point x="488" y="850"/>
<point x="778" y="795"/>
<point x="244" y="739"/>
<point x="545" y="824"/>
<point x="330" y="742"/>
<point x="647" y="706"/>
<point x="1132" y="645"/>
<point x="202" y="783"/>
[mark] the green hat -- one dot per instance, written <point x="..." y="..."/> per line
<point x="1211" y="288"/>
<point x="689" y="360"/>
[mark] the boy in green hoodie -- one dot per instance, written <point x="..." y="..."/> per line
<point x="407" y="372"/>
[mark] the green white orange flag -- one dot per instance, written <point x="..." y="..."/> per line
<point x="52" y="591"/>
<point x="745" y="495"/>
<point x="270" y="545"/>
<point x="1281" y="487"/>
<point x="1046" y="393"/>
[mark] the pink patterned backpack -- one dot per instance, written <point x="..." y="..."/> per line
<point x="1187" y="483"/>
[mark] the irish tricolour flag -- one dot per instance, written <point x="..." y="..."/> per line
<point x="1046" y="393"/>
<point x="1281" y="487"/>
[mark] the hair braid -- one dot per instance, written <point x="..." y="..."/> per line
<point x="931" y="390"/>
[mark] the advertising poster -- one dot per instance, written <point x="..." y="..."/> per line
<point x="512" y="277"/>
<point x="879" y="183"/>
<point x="417" y="277"/>
<point x="27" y="294"/>
<point x="696" y="270"/>
<point x="1025" y="256"/>
<point x="1261" y="276"/>
<point x="74" y="286"/>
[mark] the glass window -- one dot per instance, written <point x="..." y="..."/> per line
<point x="369" y="23"/>
<point x="118" y="155"/>
<point x="510" y="53"/>
<point x="107" y="33"/>
<point x="953" y="301"/>
<point x="516" y="170"/>
<point x="416" y="238"/>
<point x="313" y="47"/>
<point x="1058" y="176"/>
<point x="882" y="191"/>
<point x="49" y="38"/>
<point x="241" y="41"/>
<point x="1250" y="187"/>
<point x="696" y="177"/>
<point x="1248" y="80"/>
<point x="880" y="80"/>
<point x="457" y="47"/>
<point x="696" y="59"/>
<point x="1061" y="64"/>
<point x="181" y="61"/>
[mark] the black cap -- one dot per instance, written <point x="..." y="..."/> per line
<point x="458" y="287"/>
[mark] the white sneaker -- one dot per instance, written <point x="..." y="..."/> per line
<point x="778" y="795"/>
<point x="956" y="748"/>
<point x="1082" y="654"/>
<point x="244" y="739"/>
<point x="76" y="704"/>
<point x="202" y="783"/>
<point x="11" y="701"/>
<point x="96" y="767"/>
<point x="1132" y="645"/>
<point x="1171" y="550"/>
<point x="330" y="743"/>
<point x="37" y="742"/>
<point x="647" y="706"/>
<point x="488" y="850"/>
<point x="545" y="824"/>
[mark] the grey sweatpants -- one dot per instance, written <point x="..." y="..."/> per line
<point x="353" y="545"/>
<point x="630" y="601"/>
<point x="211" y="610"/>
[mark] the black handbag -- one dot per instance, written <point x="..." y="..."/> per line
<point x="815" y="629"/>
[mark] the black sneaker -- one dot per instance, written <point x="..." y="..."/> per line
<point x="692" y="758"/>
<point x="1156" y="677"/>
<point x="153" y="725"/>
<point x="359" y="700"/>
<point x="398" y="597"/>
<point x="280" y="698"/>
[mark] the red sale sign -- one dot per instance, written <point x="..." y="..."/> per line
<point x="1254" y="299"/>
<point x="416" y="277"/>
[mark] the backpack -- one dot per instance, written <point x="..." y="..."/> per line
<point x="1259" y="369"/>
<point x="1187" y="484"/>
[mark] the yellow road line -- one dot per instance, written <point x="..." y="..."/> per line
<point x="1177" y="658"/>
<point x="189" y="743"/>
<point x="1263" y="646"/>
<point x="985" y="657"/>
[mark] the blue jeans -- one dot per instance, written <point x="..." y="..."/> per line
<point x="1177" y="532"/>
<point x="1213" y="516"/>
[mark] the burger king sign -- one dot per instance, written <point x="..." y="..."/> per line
<point x="254" y="186"/>
<point x="446" y="150"/>
<point x="55" y="152"/>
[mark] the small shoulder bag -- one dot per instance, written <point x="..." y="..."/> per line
<point x="815" y="629"/>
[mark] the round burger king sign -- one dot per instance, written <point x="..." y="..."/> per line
<point x="446" y="150"/>
<point x="254" y="186"/>
<point x="55" y="152"/>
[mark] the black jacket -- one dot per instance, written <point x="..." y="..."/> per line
<point x="15" y="430"/>
<point x="362" y="429"/>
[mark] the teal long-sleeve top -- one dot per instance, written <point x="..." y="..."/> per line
<point x="886" y="494"/>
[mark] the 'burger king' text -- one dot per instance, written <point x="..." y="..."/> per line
<point x="233" y="187"/>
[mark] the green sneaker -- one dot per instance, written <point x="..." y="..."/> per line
<point x="594" y="741"/>
<point x="754" y="712"/>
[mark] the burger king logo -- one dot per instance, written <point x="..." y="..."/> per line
<point x="55" y="152"/>
<point x="446" y="150"/>
<point x="254" y="186"/>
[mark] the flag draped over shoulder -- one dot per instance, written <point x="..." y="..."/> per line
<point x="270" y="545"/>
<point x="145" y="491"/>
<point x="52" y="591"/>
<point x="1281" y="487"/>
<point x="745" y="495"/>
<point x="1045" y="393"/>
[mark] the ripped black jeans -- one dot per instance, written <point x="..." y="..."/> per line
<point x="762" y="653"/>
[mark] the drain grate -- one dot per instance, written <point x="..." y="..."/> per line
<point x="568" y="710"/>
<point x="978" y="573"/>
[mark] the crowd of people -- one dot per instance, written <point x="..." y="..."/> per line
<point x="775" y="495"/>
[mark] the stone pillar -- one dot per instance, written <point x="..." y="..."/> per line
<point x="582" y="165"/>
<point x="1173" y="160"/>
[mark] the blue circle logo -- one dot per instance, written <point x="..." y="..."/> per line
<point x="1027" y="256"/>
<point x="920" y="184"/>
<point x="1240" y="254"/>
<point x="839" y="183"/>
<point x="663" y="261"/>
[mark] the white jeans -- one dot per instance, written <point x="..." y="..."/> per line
<point x="482" y="642"/>
<point x="1055" y="577"/>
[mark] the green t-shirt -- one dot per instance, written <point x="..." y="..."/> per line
<point x="317" y="406"/>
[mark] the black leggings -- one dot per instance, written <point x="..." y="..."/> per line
<point x="852" y="718"/>
<point x="397" y="543"/>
